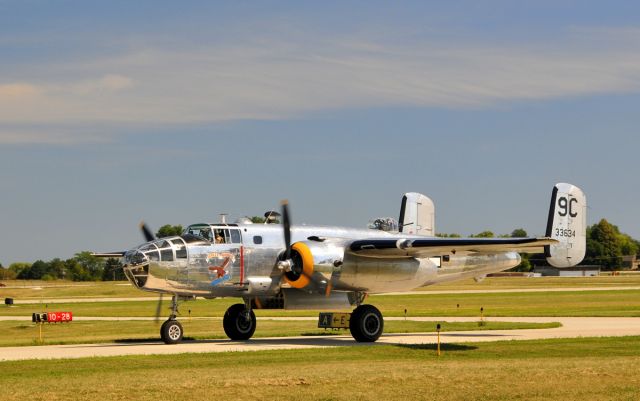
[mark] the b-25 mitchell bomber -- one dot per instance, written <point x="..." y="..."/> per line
<point x="280" y="266"/>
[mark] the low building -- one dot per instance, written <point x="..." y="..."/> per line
<point x="576" y="271"/>
<point x="630" y="262"/>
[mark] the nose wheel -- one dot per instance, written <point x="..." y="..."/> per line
<point x="171" y="332"/>
<point x="239" y="322"/>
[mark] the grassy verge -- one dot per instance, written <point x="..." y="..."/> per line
<point x="21" y="334"/>
<point x="581" y="303"/>
<point x="26" y="289"/>
<point x="33" y="289"/>
<point x="569" y="370"/>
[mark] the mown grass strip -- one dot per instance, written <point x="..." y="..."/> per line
<point x="567" y="370"/>
<point x="583" y="303"/>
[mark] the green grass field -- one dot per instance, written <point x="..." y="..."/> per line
<point x="24" y="333"/>
<point x="581" y="303"/>
<point x="21" y="289"/>
<point x="602" y="369"/>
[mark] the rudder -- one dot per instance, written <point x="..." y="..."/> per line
<point x="417" y="215"/>
<point x="567" y="223"/>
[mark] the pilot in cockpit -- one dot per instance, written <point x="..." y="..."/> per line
<point x="219" y="237"/>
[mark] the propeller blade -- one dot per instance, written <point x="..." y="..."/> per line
<point x="148" y="235"/>
<point x="158" y="309"/>
<point x="286" y="225"/>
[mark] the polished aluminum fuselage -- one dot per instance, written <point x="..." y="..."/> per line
<point x="247" y="266"/>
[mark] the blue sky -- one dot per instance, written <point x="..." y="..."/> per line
<point x="113" y="112"/>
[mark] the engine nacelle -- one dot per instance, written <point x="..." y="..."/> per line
<point x="316" y="259"/>
<point x="375" y="275"/>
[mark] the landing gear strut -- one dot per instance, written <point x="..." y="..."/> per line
<point x="366" y="323"/>
<point x="171" y="331"/>
<point x="239" y="322"/>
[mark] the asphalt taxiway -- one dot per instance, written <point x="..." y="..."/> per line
<point x="572" y="327"/>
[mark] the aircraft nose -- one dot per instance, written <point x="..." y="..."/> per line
<point x="136" y="267"/>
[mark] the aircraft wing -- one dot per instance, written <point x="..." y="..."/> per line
<point x="108" y="254"/>
<point x="427" y="247"/>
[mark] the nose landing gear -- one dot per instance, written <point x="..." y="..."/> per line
<point x="171" y="331"/>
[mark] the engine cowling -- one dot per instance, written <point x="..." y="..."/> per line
<point x="313" y="261"/>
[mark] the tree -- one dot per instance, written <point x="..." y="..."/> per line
<point x="484" y="234"/>
<point x="519" y="233"/>
<point x="604" y="245"/>
<point x="91" y="264"/>
<point x="113" y="270"/>
<point x="75" y="271"/>
<point x="34" y="272"/>
<point x="446" y="235"/>
<point x="169" y="231"/>
<point x="257" y="219"/>
<point x="18" y="267"/>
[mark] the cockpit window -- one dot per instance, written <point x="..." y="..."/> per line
<point x="220" y="236"/>
<point x="202" y="231"/>
<point x="227" y="236"/>
<point x="193" y="239"/>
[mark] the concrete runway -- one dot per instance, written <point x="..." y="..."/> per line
<point x="572" y="327"/>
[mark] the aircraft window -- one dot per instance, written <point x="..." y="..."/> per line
<point x="204" y="232"/>
<point x="181" y="250"/>
<point x="235" y="236"/>
<point x="148" y="247"/>
<point x="221" y="236"/>
<point x="192" y="239"/>
<point x="162" y="244"/>
<point x="257" y="239"/>
<point x="153" y="255"/>
<point x="167" y="255"/>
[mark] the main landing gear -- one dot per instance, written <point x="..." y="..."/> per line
<point x="239" y="322"/>
<point x="366" y="323"/>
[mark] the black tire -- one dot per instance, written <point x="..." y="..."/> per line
<point x="366" y="324"/>
<point x="235" y="322"/>
<point x="171" y="332"/>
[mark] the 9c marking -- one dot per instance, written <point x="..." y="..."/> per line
<point x="566" y="206"/>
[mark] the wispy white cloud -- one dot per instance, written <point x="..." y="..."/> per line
<point x="287" y="79"/>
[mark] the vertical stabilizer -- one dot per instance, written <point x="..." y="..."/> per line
<point x="417" y="215"/>
<point x="567" y="223"/>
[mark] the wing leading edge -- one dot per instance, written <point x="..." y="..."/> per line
<point x="427" y="247"/>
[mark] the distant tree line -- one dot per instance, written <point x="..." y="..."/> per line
<point x="82" y="267"/>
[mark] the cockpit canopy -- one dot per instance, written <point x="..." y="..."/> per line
<point x="212" y="233"/>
